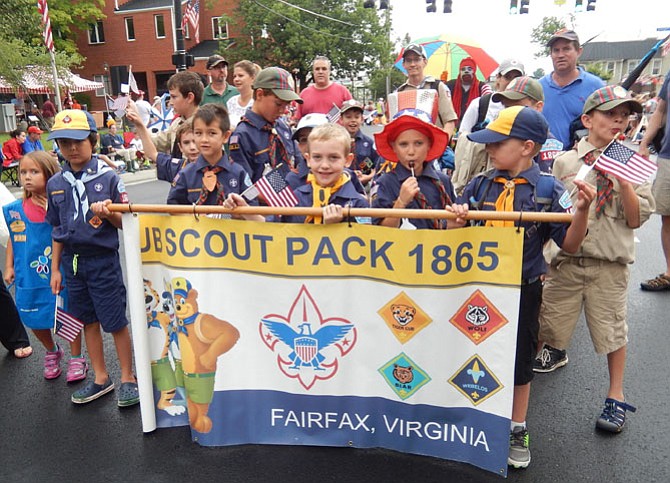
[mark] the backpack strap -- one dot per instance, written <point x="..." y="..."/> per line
<point x="484" y="102"/>
<point x="482" y="184"/>
<point x="544" y="192"/>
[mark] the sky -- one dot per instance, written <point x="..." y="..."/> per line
<point x="502" y="35"/>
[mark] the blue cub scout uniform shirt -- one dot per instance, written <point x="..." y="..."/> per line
<point x="536" y="234"/>
<point x="187" y="186"/>
<point x="387" y="189"/>
<point x="249" y="145"/>
<point x="366" y="158"/>
<point x="86" y="234"/>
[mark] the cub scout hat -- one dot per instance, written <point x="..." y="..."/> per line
<point x="517" y="122"/>
<point x="563" y="34"/>
<point x="72" y="124"/>
<point x="279" y="82"/>
<point x="508" y="65"/>
<point x="215" y="60"/>
<point x="411" y="119"/>
<point x="609" y="97"/>
<point x="520" y="88"/>
<point x="351" y="104"/>
<point x="416" y="48"/>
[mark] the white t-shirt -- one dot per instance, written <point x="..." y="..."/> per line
<point x="472" y="113"/>
<point x="144" y="110"/>
<point x="235" y="111"/>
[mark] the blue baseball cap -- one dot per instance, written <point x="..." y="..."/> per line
<point x="518" y="122"/>
<point x="73" y="124"/>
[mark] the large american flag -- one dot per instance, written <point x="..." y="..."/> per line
<point x="625" y="163"/>
<point x="192" y="15"/>
<point x="67" y="326"/>
<point x="43" y="8"/>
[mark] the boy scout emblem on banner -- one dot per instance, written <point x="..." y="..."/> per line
<point x="308" y="346"/>
<point x="403" y="375"/>
<point x="478" y="318"/>
<point x="476" y="381"/>
<point x="404" y="317"/>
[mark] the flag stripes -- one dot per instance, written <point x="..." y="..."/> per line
<point x="67" y="326"/>
<point x="625" y="163"/>
<point x="43" y="8"/>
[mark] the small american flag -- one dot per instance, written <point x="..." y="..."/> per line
<point x="273" y="188"/>
<point x="192" y="14"/>
<point x="67" y="326"/>
<point x="43" y="8"/>
<point x="334" y="114"/>
<point x="665" y="48"/>
<point x="625" y="163"/>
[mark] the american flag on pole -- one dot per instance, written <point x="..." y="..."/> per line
<point x="67" y="326"/>
<point x="192" y="15"/>
<point x="273" y="188"/>
<point x="625" y="163"/>
<point x="43" y="8"/>
<point x="665" y="48"/>
<point x="334" y="114"/>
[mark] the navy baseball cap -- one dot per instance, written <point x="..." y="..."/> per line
<point x="514" y="122"/>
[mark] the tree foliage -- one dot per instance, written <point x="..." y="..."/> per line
<point x="541" y="34"/>
<point x="599" y="69"/>
<point x="21" y="41"/>
<point x="289" y="37"/>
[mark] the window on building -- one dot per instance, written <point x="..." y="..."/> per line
<point x="609" y="67"/>
<point x="219" y="28"/>
<point x="96" y="33"/>
<point x="130" y="29"/>
<point x="159" y="21"/>
<point x="106" y="82"/>
<point x="632" y="63"/>
<point x="656" y="66"/>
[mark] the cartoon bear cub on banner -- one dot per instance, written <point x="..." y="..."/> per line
<point x="162" y="373"/>
<point x="202" y="339"/>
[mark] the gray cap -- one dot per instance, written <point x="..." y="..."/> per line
<point x="563" y="34"/>
<point x="508" y="65"/>
<point x="416" y="48"/>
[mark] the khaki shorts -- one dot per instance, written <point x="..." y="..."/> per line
<point x="661" y="189"/>
<point x="599" y="288"/>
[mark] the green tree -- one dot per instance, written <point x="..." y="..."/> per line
<point x="598" y="69"/>
<point x="353" y="38"/>
<point x="21" y="41"/>
<point x="541" y="34"/>
<point x="539" y="73"/>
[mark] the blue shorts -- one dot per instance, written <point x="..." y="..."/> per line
<point x="96" y="293"/>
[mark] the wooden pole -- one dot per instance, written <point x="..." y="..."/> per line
<point x="518" y="216"/>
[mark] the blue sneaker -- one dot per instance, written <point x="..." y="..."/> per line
<point x="92" y="391"/>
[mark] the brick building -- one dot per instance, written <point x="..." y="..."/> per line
<point x="141" y="33"/>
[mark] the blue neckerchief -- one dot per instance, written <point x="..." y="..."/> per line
<point x="187" y="321"/>
<point x="152" y="321"/>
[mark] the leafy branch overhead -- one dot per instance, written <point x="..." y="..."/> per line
<point x="355" y="39"/>
<point x="541" y="34"/>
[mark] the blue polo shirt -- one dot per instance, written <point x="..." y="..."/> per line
<point x="562" y="105"/>
<point x="30" y="146"/>
<point x="665" y="95"/>
<point x="536" y="234"/>
<point x="366" y="157"/>
<point x="345" y="196"/>
<point x="249" y="145"/>
<point x="86" y="234"/>
<point x="387" y="189"/>
<point x="187" y="185"/>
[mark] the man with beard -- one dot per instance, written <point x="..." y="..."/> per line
<point x="218" y="91"/>
<point x="320" y="97"/>
<point x="466" y="87"/>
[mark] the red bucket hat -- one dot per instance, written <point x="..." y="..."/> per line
<point x="411" y="119"/>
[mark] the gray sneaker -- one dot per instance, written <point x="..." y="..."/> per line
<point x="519" y="454"/>
<point x="549" y="359"/>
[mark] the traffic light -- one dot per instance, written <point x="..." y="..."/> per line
<point x="524" y="6"/>
<point x="369" y="4"/>
<point x="514" y="7"/>
<point x="383" y="4"/>
<point x="447" y="6"/>
<point x="579" y="5"/>
<point x="590" y="5"/>
<point x="430" y="6"/>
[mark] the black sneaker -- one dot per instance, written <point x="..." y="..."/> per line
<point x="549" y="359"/>
<point x="519" y="452"/>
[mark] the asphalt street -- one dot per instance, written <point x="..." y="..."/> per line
<point x="47" y="438"/>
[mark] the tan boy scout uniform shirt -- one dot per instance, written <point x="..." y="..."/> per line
<point x="609" y="237"/>
<point x="164" y="140"/>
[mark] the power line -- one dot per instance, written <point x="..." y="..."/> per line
<point x="317" y="14"/>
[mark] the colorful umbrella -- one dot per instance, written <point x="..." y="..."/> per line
<point x="445" y="52"/>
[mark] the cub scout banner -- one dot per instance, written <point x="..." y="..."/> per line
<point x="329" y="335"/>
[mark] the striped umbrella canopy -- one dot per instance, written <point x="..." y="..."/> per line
<point x="39" y="81"/>
<point x="444" y="54"/>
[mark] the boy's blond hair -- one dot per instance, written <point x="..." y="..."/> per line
<point x="328" y="132"/>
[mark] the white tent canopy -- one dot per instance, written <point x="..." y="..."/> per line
<point x="39" y="81"/>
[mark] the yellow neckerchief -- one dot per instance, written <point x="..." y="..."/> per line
<point x="505" y="201"/>
<point x="321" y="195"/>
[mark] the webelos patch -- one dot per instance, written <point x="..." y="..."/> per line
<point x="475" y="381"/>
<point x="404" y="376"/>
